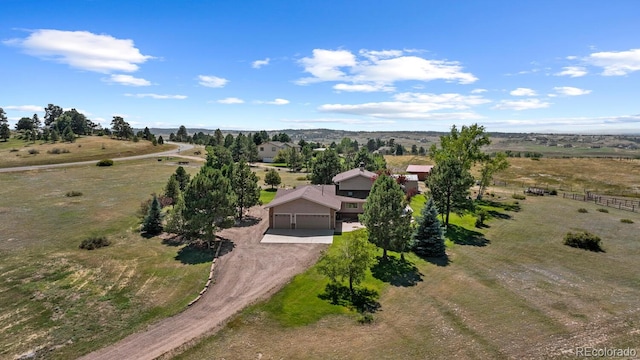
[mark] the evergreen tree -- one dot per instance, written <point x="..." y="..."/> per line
<point x="160" y="140"/>
<point x="68" y="135"/>
<point x="245" y="185"/>
<point x="182" y="177"/>
<point x="172" y="189"/>
<point x="5" y="131"/>
<point x="152" y="223"/>
<point x="385" y="216"/>
<point x="55" y="136"/>
<point x="428" y="236"/>
<point x="449" y="184"/>
<point x="209" y="205"/>
<point x="272" y="178"/>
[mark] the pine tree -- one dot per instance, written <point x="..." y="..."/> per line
<point x="182" y="177"/>
<point x="175" y="220"/>
<point x="172" y="189"/>
<point x="245" y="185"/>
<point x="272" y="178"/>
<point x="428" y="236"/>
<point x="152" y="223"/>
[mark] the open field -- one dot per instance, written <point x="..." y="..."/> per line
<point x="16" y="152"/>
<point x="519" y="293"/>
<point x="55" y="295"/>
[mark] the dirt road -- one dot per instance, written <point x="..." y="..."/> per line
<point x="247" y="272"/>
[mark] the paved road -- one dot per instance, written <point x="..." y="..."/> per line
<point x="175" y="152"/>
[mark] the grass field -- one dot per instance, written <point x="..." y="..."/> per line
<point x="57" y="295"/>
<point x="519" y="293"/>
<point x="16" y="152"/>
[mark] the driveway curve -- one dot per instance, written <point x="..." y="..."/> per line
<point x="248" y="272"/>
<point x="174" y="152"/>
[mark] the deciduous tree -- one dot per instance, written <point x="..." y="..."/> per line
<point x="490" y="167"/>
<point x="449" y="184"/>
<point x="385" y="215"/>
<point x="272" y="178"/>
<point x="326" y="166"/>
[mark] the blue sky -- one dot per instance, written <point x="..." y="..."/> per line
<point x="514" y="66"/>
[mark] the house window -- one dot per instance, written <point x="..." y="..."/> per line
<point x="352" y="205"/>
<point x="349" y="193"/>
<point x="261" y="148"/>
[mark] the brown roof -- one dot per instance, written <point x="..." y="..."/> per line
<point x="419" y="168"/>
<point x="320" y="194"/>
<point x="353" y="173"/>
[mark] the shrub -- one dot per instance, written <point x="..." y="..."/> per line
<point x="74" y="193"/>
<point x="14" y="150"/>
<point x="583" y="240"/>
<point x="365" y="318"/>
<point x="583" y="210"/>
<point x="57" y="151"/>
<point x="482" y="215"/>
<point x="105" y="162"/>
<point x="626" y="221"/>
<point x="94" y="242"/>
<point x="602" y="210"/>
<point x="553" y="192"/>
<point x="34" y="151"/>
<point x="518" y="196"/>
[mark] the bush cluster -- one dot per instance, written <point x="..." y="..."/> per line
<point x="94" y="242"/>
<point x="626" y="221"/>
<point x="553" y="192"/>
<point x="518" y="196"/>
<point x="57" y="151"/>
<point x="583" y="211"/>
<point x="583" y="240"/>
<point x="602" y="210"/>
<point x="34" y="151"/>
<point x="105" y="162"/>
<point x="74" y="193"/>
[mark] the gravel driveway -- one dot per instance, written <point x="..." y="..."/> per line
<point x="249" y="271"/>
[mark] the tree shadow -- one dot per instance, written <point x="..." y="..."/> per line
<point x="363" y="299"/>
<point x="397" y="272"/>
<point x="501" y="205"/>
<point x="462" y="236"/>
<point x="247" y="221"/>
<point x="175" y="240"/>
<point x="226" y="246"/>
<point x="192" y="255"/>
<point x="499" y="215"/>
<point x="439" y="261"/>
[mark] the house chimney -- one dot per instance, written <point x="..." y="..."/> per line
<point x="362" y="166"/>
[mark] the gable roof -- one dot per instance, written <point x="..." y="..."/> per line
<point x="280" y="144"/>
<point x="320" y="194"/>
<point x="419" y="168"/>
<point x="353" y="173"/>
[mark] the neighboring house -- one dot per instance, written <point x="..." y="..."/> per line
<point x="422" y="171"/>
<point x="268" y="151"/>
<point x="410" y="182"/>
<point x="385" y="150"/>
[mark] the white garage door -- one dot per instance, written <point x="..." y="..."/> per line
<point x="319" y="221"/>
<point x="282" y="221"/>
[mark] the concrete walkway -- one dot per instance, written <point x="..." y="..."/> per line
<point x="298" y="236"/>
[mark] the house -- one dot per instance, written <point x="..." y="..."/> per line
<point x="319" y="206"/>
<point x="267" y="151"/>
<point x="409" y="182"/>
<point x="422" y="171"/>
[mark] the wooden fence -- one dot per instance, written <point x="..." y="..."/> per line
<point x="604" y="200"/>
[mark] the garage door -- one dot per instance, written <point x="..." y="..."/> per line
<point x="313" y="222"/>
<point x="282" y="221"/>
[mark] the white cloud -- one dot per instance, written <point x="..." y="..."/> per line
<point x="571" y="57"/>
<point x="572" y="71"/>
<point x="128" y="80"/>
<point x="325" y="64"/>
<point x="212" y="81"/>
<point x="363" y="87"/>
<point x="523" y="92"/>
<point x="230" y="100"/>
<point x="524" y="104"/>
<point x="377" y="68"/>
<point x="260" y="63"/>
<point x="24" y="108"/>
<point x="274" y="102"/>
<point x="414" y="106"/>
<point x="157" y="96"/>
<point x="571" y="91"/>
<point x="82" y="50"/>
<point x="478" y="91"/>
<point x="616" y="63"/>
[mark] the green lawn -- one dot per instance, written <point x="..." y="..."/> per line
<point x="508" y="290"/>
<point x="266" y="195"/>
